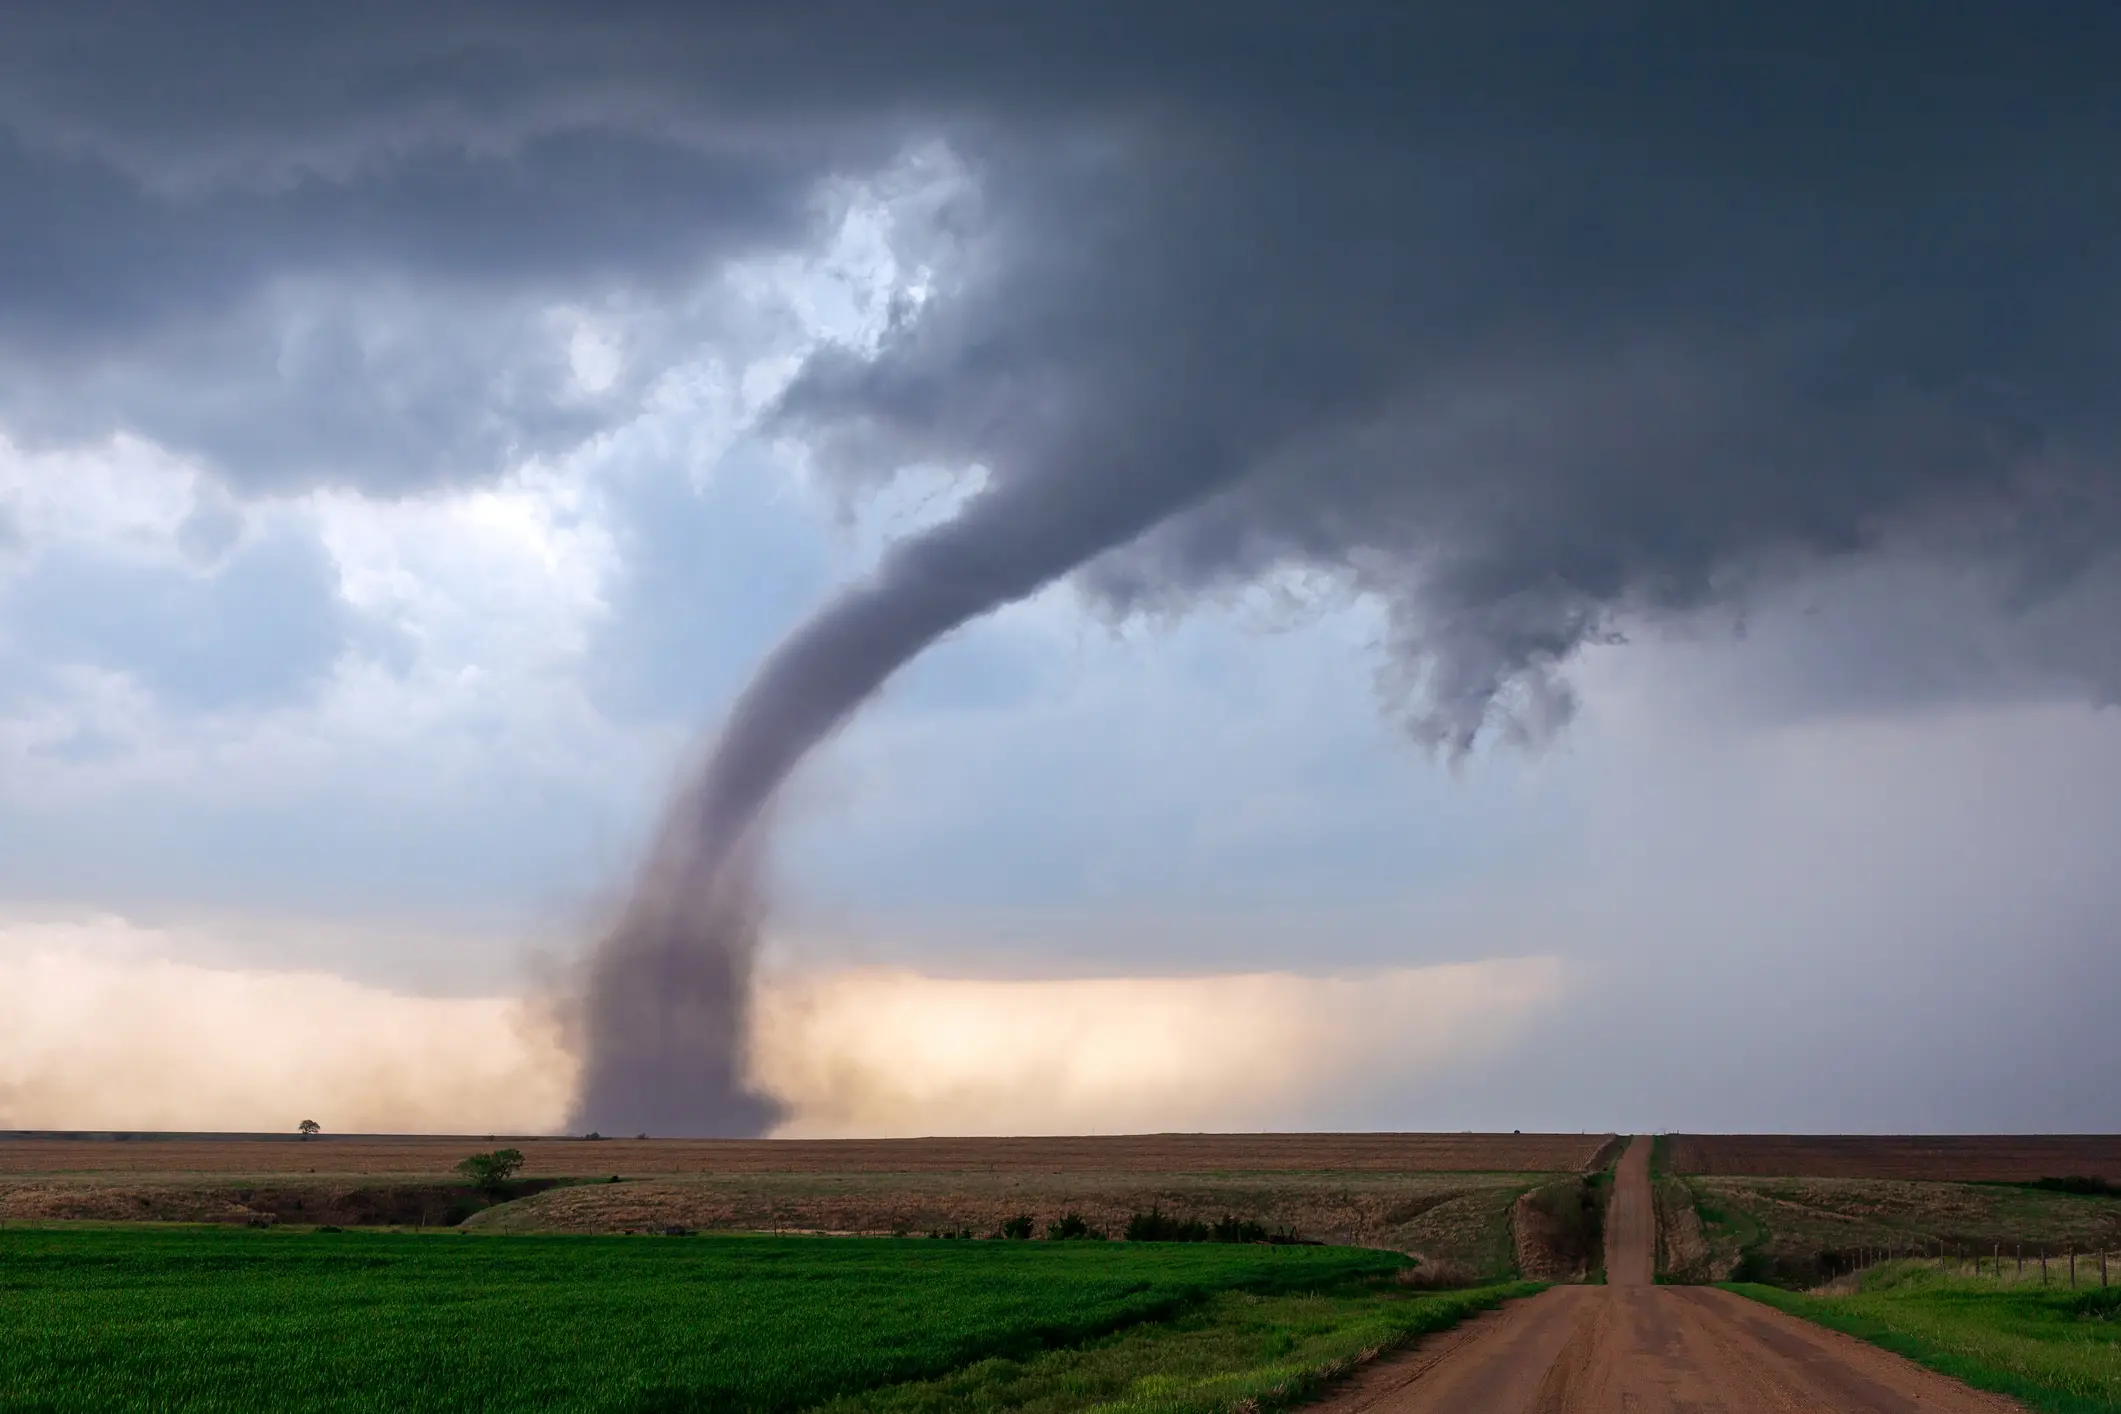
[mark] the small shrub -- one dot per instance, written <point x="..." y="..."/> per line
<point x="1156" y="1225"/>
<point x="2082" y="1184"/>
<point x="489" y="1173"/>
<point x="1018" y="1228"/>
<point x="2099" y="1304"/>
<point x="1072" y="1227"/>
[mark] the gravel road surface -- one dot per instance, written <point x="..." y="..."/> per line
<point x="1637" y="1347"/>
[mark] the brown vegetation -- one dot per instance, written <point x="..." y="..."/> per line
<point x="1801" y="1230"/>
<point x="2009" y="1158"/>
<point x="1446" y="1198"/>
<point x="339" y="1204"/>
<point x="1684" y="1250"/>
<point x="436" y="1155"/>
<point x="1458" y="1218"/>
<point x="1558" y="1230"/>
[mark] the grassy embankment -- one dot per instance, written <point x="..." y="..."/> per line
<point x="1801" y="1231"/>
<point x="2055" y="1349"/>
<point x="135" y="1318"/>
<point x="1559" y="1228"/>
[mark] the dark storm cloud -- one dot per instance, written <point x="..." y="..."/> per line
<point x="314" y="247"/>
<point x="385" y="329"/>
<point x="1533" y="321"/>
<point x="1720" y="284"/>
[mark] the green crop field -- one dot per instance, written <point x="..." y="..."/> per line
<point x="2052" y="1348"/>
<point x="138" y="1318"/>
<point x="1236" y="1351"/>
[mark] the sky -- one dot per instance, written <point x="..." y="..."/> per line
<point x="1531" y="569"/>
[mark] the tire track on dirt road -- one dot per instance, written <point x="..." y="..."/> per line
<point x="1633" y="1347"/>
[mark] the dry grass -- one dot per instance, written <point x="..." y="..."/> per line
<point x="1800" y="1230"/>
<point x="388" y="1202"/>
<point x="2006" y="1158"/>
<point x="1462" y="1218"/>
<point x="434" y="1155"/>
<point x="1557" y="1230"/>
<point x="1684" y="1250"/>
<point x="1444" y="1197"/>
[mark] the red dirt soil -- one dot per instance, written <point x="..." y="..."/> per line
<point x="2005" y="1158"/>
<point x="435" y="1155"/>
<point x="1633" y="1346"/>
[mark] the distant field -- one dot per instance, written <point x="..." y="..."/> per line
<point x="1446" y="1197"/>
<point x="432" y="1156"/>
<point x="1996" y="1157"/>
<point x="143" y="1318"/>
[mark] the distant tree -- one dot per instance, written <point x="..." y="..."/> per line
<point x="489" y="1172"/>
<point x="309" y="1127"/>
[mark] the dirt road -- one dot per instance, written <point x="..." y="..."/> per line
<point x="1637" y="1347"/>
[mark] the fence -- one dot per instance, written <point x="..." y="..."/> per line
<point x="2003" y="1262"/>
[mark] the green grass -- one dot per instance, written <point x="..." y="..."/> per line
<point x="2054" y="1349"/>
<point x="1237" y="1350"/>
<point x="211" y="1319"/>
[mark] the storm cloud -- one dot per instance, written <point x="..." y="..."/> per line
<point x="1515" y="316"/>
<point x="1532" y="325"/>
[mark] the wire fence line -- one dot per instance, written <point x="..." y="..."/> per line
<point x="2009" y="1263"/>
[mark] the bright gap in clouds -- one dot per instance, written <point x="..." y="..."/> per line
<point x="98" y="1031"/>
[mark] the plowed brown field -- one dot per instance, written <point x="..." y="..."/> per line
<point x="434" y="1156"/>
<point x="2004" y="1158"/>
